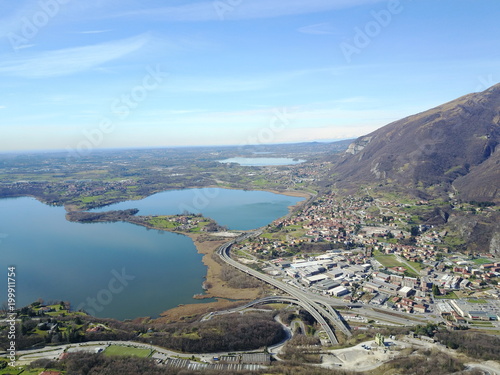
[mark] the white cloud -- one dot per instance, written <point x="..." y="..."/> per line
<point x="223" y="84"/>
<point x="247" y="9"/>
<point x="214" y="86"/>
<point x="71" y="60"/>
<point x="318" y="29"/>
<point x="23" y="46"/>
<point x="94" y="31"/>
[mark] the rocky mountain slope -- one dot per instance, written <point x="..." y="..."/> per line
<point x="453" y="146"/>
<point x="450" y="152"/>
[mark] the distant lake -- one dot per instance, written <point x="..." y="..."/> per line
<point x="261" y="162"/>
<point x="128" y="270"/>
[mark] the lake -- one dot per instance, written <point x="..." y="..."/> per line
<point x="262" y="162"/>
<point x="120" y="270"/>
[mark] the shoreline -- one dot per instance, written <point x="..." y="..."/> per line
<point x="290" y="193"/>
<point x="215" y="288"/>
<point x="71" y="207"/>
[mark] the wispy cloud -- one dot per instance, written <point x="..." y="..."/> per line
<point x="208" y="11"/>
<point x="219" y="85"/>
<point x="94" y="31"/>
<point x="227" y="84"/>
<point x="71" y="60"/>
<point x="24" y="46"/>
<point x="325" y="28"/>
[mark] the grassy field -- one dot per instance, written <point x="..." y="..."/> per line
<point x="388" y="260"/>
<point x="162" y="222"/>
<point x="14" y="371"/>
<point x="484" y="324"/>
<point x="127" y="351"/>
<point x="34" y="371"/>
<point x="450" y="295"/>
<point x="480" y="261"/>
<point x="416" y="265"/>
<point x="391" y="261"/>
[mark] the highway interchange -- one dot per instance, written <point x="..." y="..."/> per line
<point x="320" y="307"/>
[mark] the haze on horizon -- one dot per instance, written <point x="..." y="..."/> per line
<point x="144" y="74"/>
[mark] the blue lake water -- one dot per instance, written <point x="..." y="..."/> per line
<point x="261" y="162"/>
<point x="120" y="270"/>
<point x="236" y="209"/>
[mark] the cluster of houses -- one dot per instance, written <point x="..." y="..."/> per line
<point x="350" y="274"/>
<point x="369" y="226"/>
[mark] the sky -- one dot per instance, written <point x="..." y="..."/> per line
<point x="83" y="75"/>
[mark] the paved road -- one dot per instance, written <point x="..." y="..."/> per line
<point x="317" y="311"/>
<point x="489" y="367"/>
<point x="319" y="306"/>
<point x="53" y="352"/>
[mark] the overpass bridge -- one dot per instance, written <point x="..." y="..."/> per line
<point x="314" y="308"/>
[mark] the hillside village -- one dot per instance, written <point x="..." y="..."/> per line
<point x="362" y="249"/>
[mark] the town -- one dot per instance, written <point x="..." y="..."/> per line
<point x="369" y="251"/>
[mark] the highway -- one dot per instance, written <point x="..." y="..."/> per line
<point x="320" y="307"/>
<point x="317" y="311"/>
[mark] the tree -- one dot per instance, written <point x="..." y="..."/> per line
<point x="435" y="290"/>
<point x="415" y="231"/>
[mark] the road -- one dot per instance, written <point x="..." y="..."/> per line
<point x="316" y="310"/>
<point x="53" y="352"/>
<point x="320" y="307"/>
<point x="489" y="367"/>
<point x="401" y="260"/>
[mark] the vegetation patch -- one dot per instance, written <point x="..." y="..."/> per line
<point x="127" y="351"/>
<point x="480" y="261"/>
<point x="473" y="344"/>
<point x="476" y="301"/>
<point x="449" y="295"/>
<point x="429" y="362"/>
<point x="163" y="222"/>
<point x="388" y="261"/>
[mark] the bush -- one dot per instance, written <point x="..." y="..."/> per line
<point x="473" y="344"/>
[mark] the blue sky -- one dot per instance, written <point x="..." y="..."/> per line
<point x="81" y="75"/>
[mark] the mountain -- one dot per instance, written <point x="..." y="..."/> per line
<point x="451" y="148"/>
